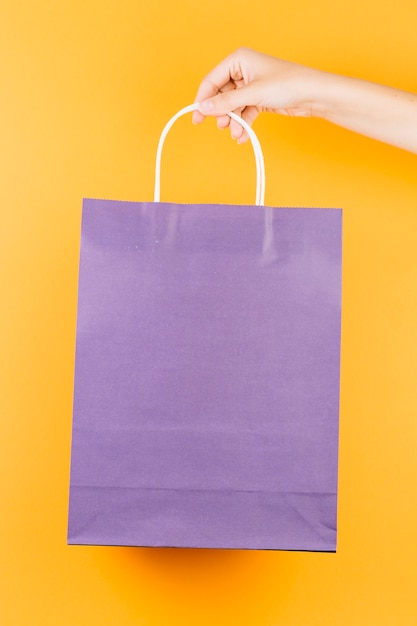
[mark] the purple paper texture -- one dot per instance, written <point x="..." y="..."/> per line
<point x="206" y="401"/>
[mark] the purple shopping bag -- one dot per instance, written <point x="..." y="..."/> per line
<point x="206" y="401"/>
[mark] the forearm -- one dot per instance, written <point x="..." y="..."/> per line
<point x="380" y="112"/>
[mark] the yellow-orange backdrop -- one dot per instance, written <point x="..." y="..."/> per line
<point x="86" y="87"/>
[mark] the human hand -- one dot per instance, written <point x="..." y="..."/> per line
<point x="249" y="82"/>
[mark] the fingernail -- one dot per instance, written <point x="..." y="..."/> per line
<point x="206" y="107"/>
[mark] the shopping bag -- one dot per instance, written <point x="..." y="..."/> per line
<point x="206" y="396"/>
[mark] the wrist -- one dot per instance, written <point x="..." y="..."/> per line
<point x="328" y="94"/>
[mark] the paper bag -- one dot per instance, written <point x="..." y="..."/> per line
<point x="206" y="402"/>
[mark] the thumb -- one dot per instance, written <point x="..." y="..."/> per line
<point x="228" y="101"/>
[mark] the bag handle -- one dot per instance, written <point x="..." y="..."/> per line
<point x="259" y="159"/>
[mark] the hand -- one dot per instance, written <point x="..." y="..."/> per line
<point x="249" y="82"/>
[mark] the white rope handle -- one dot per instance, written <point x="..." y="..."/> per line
<point x="259" y="158"/>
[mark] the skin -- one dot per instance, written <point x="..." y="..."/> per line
<point x="249" y="82"/>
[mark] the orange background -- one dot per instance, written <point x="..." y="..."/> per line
<point x="86" y="87"/>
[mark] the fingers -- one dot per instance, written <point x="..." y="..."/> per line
<point x="198" y="117"/>
<point x="224" y="77"/>
<point x="223" y="121"/>
<point x="233" y="100"/>
<point x="211" y="85"/>
<point x="206" y="90"/>
<point x="249" y="114"/>
<point x="226" y="89"/>
<point x="241" y="101"/>
<point x="236" y="130"/>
